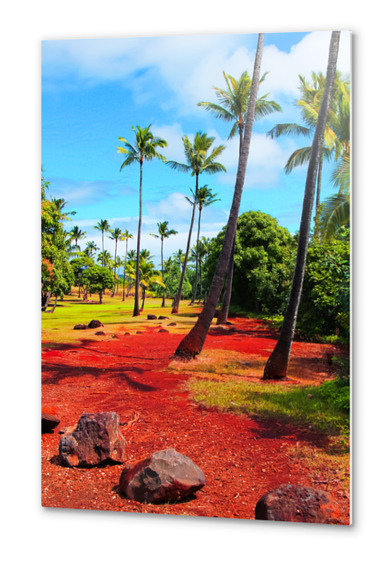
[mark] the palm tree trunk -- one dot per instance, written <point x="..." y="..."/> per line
<point x="224" y="312"/>
<point x="196" y="261"/>
<point x="53" y="308"/>
<point x="136" y="306"/>
<point x="125" y="265"/>
<point x="200" y="281"/>
<point x="319" y="182"/>
<point x="175" y="308"/>
<point x="193" y="342"/>
<point x="100" y="295"/>
<point x="103" y="255"/>
<point x="114" y="286"/>
<point x="277" y="364"/>
<point x="162" y="267"/>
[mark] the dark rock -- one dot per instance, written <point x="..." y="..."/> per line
<point x="100" y="333"/>
<point x="80" y="327"/>
<point x="49" y="422"/>
<point x="95" y="324"/>
<point x="139" y="332"/>
<point x="96" y="439"/>
<point x="163" y="318"/>
<point x="172" y="324"/>
<point x="127" y="334"/>
<point x="164" y="476"/>
<point x="115" y="337"/>
<point x="298" y="504"/>
<point x="151" y="317"/>
<point x="163" y="330"/>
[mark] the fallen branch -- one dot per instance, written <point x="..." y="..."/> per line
<point x="137" y="416"/>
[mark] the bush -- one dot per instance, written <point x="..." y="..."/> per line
<point x="336" y="394"/>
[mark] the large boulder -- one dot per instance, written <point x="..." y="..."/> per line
<point x="162" y="477"/>
<point x="151" y="317"/>
<point x="49" y="421"/>
<point x="95" y="440"/>
<point x="298" y="504"/>
<point x="95" y="324"/>
<point x="80" y="327"/>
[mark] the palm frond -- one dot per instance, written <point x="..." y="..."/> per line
<point x="290" y="130"/>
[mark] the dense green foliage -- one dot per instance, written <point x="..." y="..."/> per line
<point x="325" y="304"/>
<point x="97" y="279"/>
<point x="264" y="260"/>
<point x="56" y="273"/>
<point x="336" y="394"/>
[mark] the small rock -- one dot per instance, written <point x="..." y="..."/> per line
<point x="172" y="324"/>
<point x="95" y="324"/>
<point x="163" y="318"/>
<point x="115" y="337"/>
<point x="100" y="333"/>
<point x="164" y="476"/>
<point x="49" y="422"/>
<point x="298" y="504"/>
<point x="96" y="439"/>
<point x="151" y="317"/>
<point x="309" y="396"/>
<point x="127" y="334"/>
<point x="163" y="330"/>
<point x="139" y="332"/>
<point x="80" y="327"/>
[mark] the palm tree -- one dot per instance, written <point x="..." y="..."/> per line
<point x="193" y="342"/>
<point x="277" y="364"/>
<point x="148" y="275"/>
<point x="337" y="130"/>
<point x="233" y="107"/>
<point x="127" y="236"/>
<point x="119" y="263"/>
<point x="144" y="149"/>
<point x="204" y="199"/>
<point x="164" y="233"/>
<point x="105" y="259"/>
<point x="116" y="235"/>
<point x="131" y="265"/>
<point x="197" y="255"/>
<point x="179" y="257"/>
<point x="102" y="226"/>
<point x="90" y="249"/>
<point x="60" y="204"/>
<point x="198" y="163"/>
<point x="76" y="234"/>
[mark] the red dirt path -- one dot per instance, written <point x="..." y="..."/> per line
<point x="241" y="458"/>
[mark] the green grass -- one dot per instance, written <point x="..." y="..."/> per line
<point x="288" y="404"/>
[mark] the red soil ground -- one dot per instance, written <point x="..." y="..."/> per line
<point x="241" y="458"/>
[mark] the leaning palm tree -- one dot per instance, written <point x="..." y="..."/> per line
<point x="277" y="364"/>
<point x="193" y="342"/>
<point x="204" y="199"/>
<point x="116" y="235"/>
<point x="144" y="149"/>
<point x="164" y="233"/>
<point x="126" y="236"/>
<point x="77" y="234"/>
<point x="102" y="226"/>
<point x="197" y="163"/>
<point x="233" y="108"/>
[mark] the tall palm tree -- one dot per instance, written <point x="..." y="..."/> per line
<point x="77" y="234"/>
<point x="119" y="264"/>
<point x="102" y="226"/>
<point x="277" y="364"/>
<point x="204" y="199"/>
<point x="144" y="149"/>
<point x="198" y="255"/>
<point x="105" y="259"/>
<point x="337" y="130"/>
<point x="116" y="235"/>
<point x="233" y="107"/>
<point x="127" y="236"/>
<point x="193" y="342"/>
<point x="197" y="163"/>
<point x="131" y="265"/>
<point x="148" y="275"/>
<point x="164" y="233"/>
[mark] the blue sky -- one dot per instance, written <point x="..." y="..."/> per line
<point x="94" y="90"/>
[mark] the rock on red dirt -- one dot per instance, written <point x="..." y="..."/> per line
<point x="162" y="477"/>
<point x="95" y="440"/>
<point x="298" y="504"/>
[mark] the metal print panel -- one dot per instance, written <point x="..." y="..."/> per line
<point x="195" y="285"/>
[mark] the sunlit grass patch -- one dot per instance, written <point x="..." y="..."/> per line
<point x="289" y="404"/>
<point x="219" y="363"/>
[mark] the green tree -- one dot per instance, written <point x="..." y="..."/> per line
<point x="233" y="107"/>
<point x="148" y="276"/>
<point x="90" y="249"/>
<point x="105" y="259"/>
<point x="164" y="233"/>
<point x="144" y="149"/>
<point x="198" y="162"/>
<point x="116" y="235"/>
<point x="97" y="279"/>
<point x="79" y="265"/>
<point x="264" y="260"/>
<point x="277" y="364"/>
<point x="102" y="226"/>
<point x="193" y="342"/>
